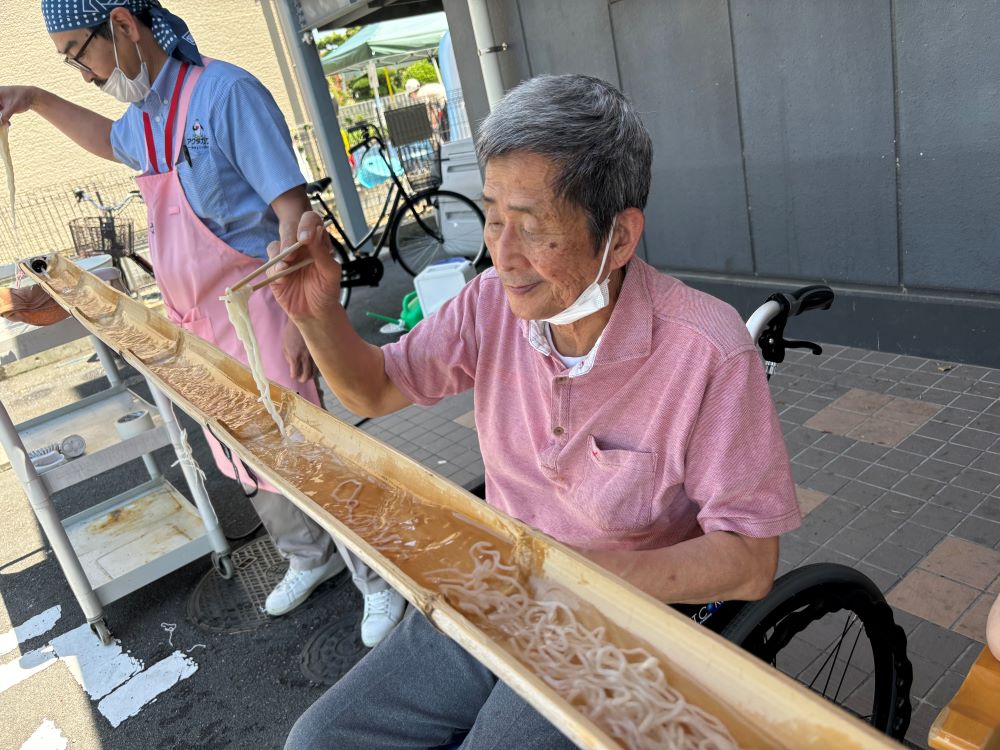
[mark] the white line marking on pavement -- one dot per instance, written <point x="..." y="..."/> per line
<point x="98" y="668"/>
<point x="36" y="626"/>
<point x="144" y="687"/>
<point x="25" y="666"/>
<point x="107" y="674"/>
<point x="47" y="737"/>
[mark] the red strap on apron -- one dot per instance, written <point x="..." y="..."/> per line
<point x="174" y="100"/>
<point x="169" y="133"/>
<point x="150" y="148"/>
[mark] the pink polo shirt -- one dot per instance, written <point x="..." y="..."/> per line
<point x="664" y="432"/>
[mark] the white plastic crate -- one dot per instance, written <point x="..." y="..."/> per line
<point x="441" y="281"/>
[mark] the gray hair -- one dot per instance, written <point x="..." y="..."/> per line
<point x="589" y="129"/>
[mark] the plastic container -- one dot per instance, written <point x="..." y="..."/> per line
<point x="441" y="281"/>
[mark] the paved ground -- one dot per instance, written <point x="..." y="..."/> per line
<point x="897" y="461"/>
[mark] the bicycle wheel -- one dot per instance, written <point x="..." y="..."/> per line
<point x="826" y="608"/>
<point x="342" y="256"/>
<point x="438" y="224"/>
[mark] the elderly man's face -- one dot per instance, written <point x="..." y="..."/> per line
<point x="541" y="247"/>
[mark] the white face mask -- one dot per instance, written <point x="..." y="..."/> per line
<point x="595" y="297"/>
<point x="123" y="88"/>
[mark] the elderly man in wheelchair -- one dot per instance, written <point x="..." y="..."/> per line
<point x="618" y="410"/>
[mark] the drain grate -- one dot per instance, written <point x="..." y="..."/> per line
<point x="237" y="605"/>
<point x="333" y="649"/>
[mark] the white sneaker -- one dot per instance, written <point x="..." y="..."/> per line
<point x="297" y="585"/>
<point x="383" y="611"/>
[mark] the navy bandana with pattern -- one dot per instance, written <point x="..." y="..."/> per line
<point x="170" y="32"/>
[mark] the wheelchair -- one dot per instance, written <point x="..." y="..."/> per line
<point x="818" y="618"/>
<point x="811" y="624"/>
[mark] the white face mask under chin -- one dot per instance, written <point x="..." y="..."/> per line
<point x="123" y="88"/>
<point x="595" y="297"/>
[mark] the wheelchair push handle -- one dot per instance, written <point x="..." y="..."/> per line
<point x="767" y="324"/>
<point x="814" y="297"/>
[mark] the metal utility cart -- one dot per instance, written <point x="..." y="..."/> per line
<point x="119" y="545"/>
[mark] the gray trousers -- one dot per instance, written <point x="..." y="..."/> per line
<point x="420" y="689"/>
<point x="305" y="544"/>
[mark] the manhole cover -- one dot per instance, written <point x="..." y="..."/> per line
<point x="237" y="605"/>
<point x="333" y="650"/>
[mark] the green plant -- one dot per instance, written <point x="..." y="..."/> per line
<point x="334" y="39"/>
<point x="422" y="70"/>
<point x="361" y="90"/>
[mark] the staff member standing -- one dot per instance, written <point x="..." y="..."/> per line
<point x="220" y="181"/>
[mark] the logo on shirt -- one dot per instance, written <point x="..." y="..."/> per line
<point x="198" y="137"/>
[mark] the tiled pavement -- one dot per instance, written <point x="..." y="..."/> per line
<point x="897" y="462"/>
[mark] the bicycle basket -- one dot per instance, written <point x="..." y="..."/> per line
<point x="97" y="235"/>
<point x="417" y="145"/>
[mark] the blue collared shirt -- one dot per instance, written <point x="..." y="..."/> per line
<point x="240" y="148"/>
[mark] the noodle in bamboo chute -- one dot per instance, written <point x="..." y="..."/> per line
<point x="238" y="306"/>
<point x="8" y="164"/>
<point x="621" y="690"/>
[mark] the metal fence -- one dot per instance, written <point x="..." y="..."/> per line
<point x="43" y="216"/>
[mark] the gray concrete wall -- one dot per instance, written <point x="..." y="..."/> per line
<point x="852" y="142"/>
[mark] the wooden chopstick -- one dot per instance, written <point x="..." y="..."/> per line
<point x="269" y="279"/>
<point x="279" y="257"/>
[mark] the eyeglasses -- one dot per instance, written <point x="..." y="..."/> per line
<point x="74" y="61"/>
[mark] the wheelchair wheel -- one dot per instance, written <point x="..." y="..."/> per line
<point x="810" y="627"/>
<point x="439" y="224"/>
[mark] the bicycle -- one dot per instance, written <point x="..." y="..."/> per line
<point x="105" y="234"/>
<point x="420" y="225"/>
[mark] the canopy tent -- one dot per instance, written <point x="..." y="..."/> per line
<point x="390" y="42"/>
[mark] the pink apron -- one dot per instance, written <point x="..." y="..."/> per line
<point x="193" y="267"/>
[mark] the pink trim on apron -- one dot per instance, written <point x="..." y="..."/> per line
<point x="194" y="267"/>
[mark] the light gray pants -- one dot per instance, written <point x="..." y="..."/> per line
<point x="420" y="689"/>
<point x="305" y="544"/>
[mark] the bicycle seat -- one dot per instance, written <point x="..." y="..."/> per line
<point x="319" y="185"/>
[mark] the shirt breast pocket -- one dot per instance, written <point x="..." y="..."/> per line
<point x="616" y="492"/>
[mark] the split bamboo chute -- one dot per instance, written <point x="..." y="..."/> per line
<point x="418" y="530"/>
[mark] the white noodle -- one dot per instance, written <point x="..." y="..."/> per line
<point x="185" y="457"/>
<point x="238" y="307"/>
<point x="624" y="691"/>
<point x="9" y="166"/>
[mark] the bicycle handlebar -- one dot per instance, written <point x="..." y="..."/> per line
<point x="368" y="130"/>
<point x="370" y="134"/>
<point x="81" y="195"/>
